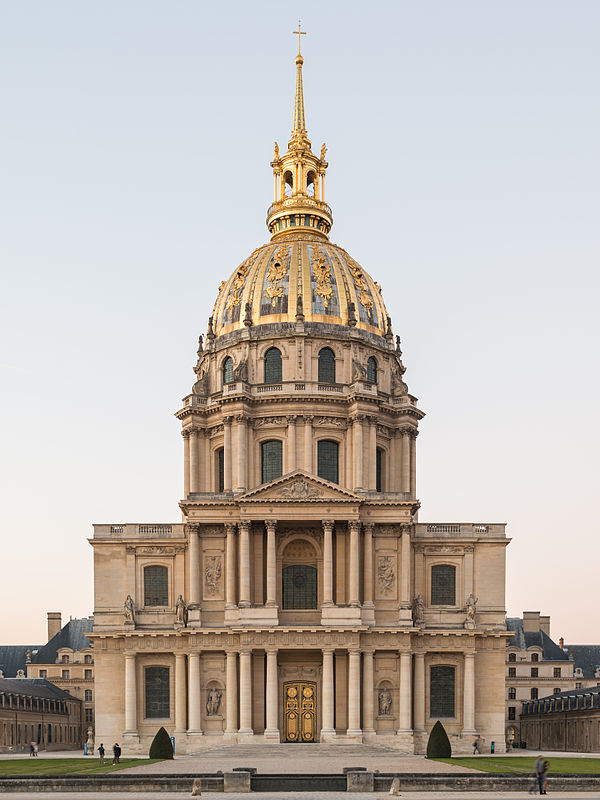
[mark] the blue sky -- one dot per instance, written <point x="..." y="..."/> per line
<point x="134" y="159"/>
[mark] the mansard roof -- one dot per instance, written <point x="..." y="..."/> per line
<point x="72" y="636"/>
<point x="13" y="657"/>
<point x="524" y="640"/>
<point x="586" y="656"/>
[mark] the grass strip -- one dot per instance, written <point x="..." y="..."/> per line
<point x="524" y="764"/>
<point x="67" y="766"/>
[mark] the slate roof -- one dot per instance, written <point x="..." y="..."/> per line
<point x="71" y="635"/>
<point x="13" y="656"/>
<point x="550" y="650"/>
<point x="586" y="656"/>
<point x="34" y="687"/>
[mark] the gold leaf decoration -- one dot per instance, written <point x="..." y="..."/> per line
<point x="322" y="273"/>
<point x="237" y="286"/>
<point x="360" y="284"/>
<point x="276" y="273"/>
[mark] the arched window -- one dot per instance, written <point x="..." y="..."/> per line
<point x="443" y="585"/>
<point x="379" y="469"/>
<point x="288" y="184"/>
<point x="299" y="586"/>
<point x="512" y="656"/>
<point x="156" y="586"/>
<point x="228" y="370"/>
<point x="221" y="470"/>
<point x="327" y="460"/>
<point x="271" y="460"/>
<point x="441" y="691"/>
<point x="326" y="365"/>
<point x="372" y="370"/>
<point x="272" y="365"/>
<point x="158" y="701"/>
<point x="535" y="657"/>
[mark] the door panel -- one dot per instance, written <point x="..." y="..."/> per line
<point x="300" y="711"/>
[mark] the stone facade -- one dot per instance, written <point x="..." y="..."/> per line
<point x="300" y="599"/>
<point x="569" y="721"/>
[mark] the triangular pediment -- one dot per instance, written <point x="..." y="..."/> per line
<point x="299" y="487"/>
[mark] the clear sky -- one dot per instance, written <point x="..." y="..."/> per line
<point x="134" y="176"/>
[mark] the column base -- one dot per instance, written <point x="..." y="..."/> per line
<point x="194" y="620"/>
<point x="245" y="735"/>
<point x="328" y="735"/>
<point x="354" y="736"/>
<point x="230" y="737"/>
<point x="367" y="615"/>
<point x="405" y="615"/>
<point x="272" y="735"/>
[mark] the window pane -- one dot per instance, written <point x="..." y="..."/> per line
<point x="272" y="460"/>
<point x="228" y="370"/>
<point x="442" y="585"/>
<point x="221" y="468"/>
<point x="326" y="366"/>
<point x="157" y="692"/>
<point x="156" y="586"/>
<point x="273" y="366"/>
<point x="372" y="370"/>
<point x="327" y="454"/>
<point x="441" y="692"/>
<point x="378" y="466"/>
<point x="299" y="586"/>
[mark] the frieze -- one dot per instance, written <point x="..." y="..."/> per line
<point x="432" y="550"/>
<point x="154" y="550"/>
<point x="330" y="422"/>
<point x="263" y="422"/>
<point x="388" y="530"/>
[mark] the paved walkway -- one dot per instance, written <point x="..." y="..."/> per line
<point x="291" y="796"/>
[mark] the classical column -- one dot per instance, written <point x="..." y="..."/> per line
<point x="194" y="566"/>
<point x="353" y="692"/>
<point x="328" y="692"/>
<point x="405" y="566"/>
<point x="130" y="694"/>
<point x="186" y="462"/>
<point x="358" y="452"/>
<point x="368" y="566"/>
<point x="468" y="568"/>
<point x="241" y="455"/>
<point x="354" y="563"/>
<point x="230" y="571"/>
<point x="368" y="720"/>
<point x="244" y="563"/>
<point x="419" y="692"/>
<point x="194" y="461"/>
<point x="413" y="462"/>
<point x="405" y="692"/>
<point x="272" y="729"/>
<point x="194" y="715"/>
<point x="246" y="692"/>
<point x="308" y="444"/>
<point x="231" y="694"/>
<point x="405" y="466"/>
<point x="372" y="455"/>
<point x="469" y="694"/>
<point x="291" y="444"/>
<point x="226" y="454"/>
<point x="271" y="526"/>
<point x="327" y="562"/>
<point x="180" y="693"/>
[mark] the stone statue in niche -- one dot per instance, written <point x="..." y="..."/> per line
<point x="181" y="612"/>
<point x="385" y="575"/>
<point x="213" y="702"/>
<point x="129" y="610"/>
<point x="470" y="609"/>
<point x="418" y="610"/>
<point x="212" y="574"/>
<point x="385" y="702"/>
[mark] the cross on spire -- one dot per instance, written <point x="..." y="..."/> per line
<point x="300" y="33"/>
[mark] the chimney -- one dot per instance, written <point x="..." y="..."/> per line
<point x="54" y="623"/>
<point x="545" y="625"/>
<point x="531" y="621"/>
<point x="561" y="643"/>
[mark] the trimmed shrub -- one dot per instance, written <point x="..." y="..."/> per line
<point x="438" y="745"/>
<point x="161" y="746"/>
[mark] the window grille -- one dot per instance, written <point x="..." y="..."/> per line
<point x="273" y="366"/>
<point x="299" y="583"/>
<point x="228" y="370"/>
<point x="378" y="469"/>
<point x="327" y="459"/>
<point x="221" y="469"/>
<point x="443" y="585"/>
<point x="156" y="586"/>
<point x="271" y="460"/>
<point x="372" y="370"/>
<point x="326" y="366"/>
<point x="534" y="694"/>
<point x="441" y="692"/>
<point x="157" y="692"/>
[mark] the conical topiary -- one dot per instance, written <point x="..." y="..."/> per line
<point x="161" y="746"/>
<point x="438" y="745"/>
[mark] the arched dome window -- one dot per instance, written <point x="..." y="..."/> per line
<point x="310" y="184"/>
<point x="372" y="370"/>
<point x="326" y="365"/>
<point x="273" y="365"/>
<point x="288" y="183"/>
<point x="228" y="370"/>
<point x="327" y="460"/>
<point x="271" y="453"/>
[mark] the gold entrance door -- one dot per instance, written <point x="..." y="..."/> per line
<point x="300" y="711"/>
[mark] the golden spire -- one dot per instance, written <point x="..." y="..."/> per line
<point x="299" y="116"/>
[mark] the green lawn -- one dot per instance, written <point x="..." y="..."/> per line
<point x="67" y="766"/>
<point x="524" y="764"/>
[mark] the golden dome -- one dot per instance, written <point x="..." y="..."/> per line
<point x="300" y="279"/>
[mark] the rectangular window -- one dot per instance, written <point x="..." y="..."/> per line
<point x="157" y="692"/>
<point x="221" y="469"/>
<point x="512" y="672"/>
<point x="272" y="460"/>
<point x="88" y="695"/>
<point x="534" y="694"/>
<point x="557" y="672"/>
<point x="89" y="715"/>
<point x="378" y="469"/>
<point x="443" y="585"/>
<point x="65" y="674"/>
<point x="535" y="657"/>
<point x="534" y="672"/>
<point x="512" y="693"/>
<point x="441" y="692"/>
<point x="88" y="675"/>
<point x="511" y="712"/>
<point x="327" y="460"/>
<point x="556" y="690"/>
<point x="156" y="586"/>
<point x="43" y="673"/>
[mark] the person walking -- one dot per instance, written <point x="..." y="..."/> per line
<point x="476" y="749"/>
<point x="545" y="776"/>
<point x="116" y="753"/>
<point x="101" y="752"/>
<point x="32" y="749"/>
<point x="539" y="772"/>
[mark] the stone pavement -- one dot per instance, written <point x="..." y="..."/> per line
<point x="290" y="796"/>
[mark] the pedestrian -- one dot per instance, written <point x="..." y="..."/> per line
<point x="539" y="772"/>
<point x="476" y="747"/>
<point x="32" y="749"/>
<point x="545" y="776"/>
<point x="101" y="752"/>
<point x="35" y="749"/>
<point x="116" y="753"/>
